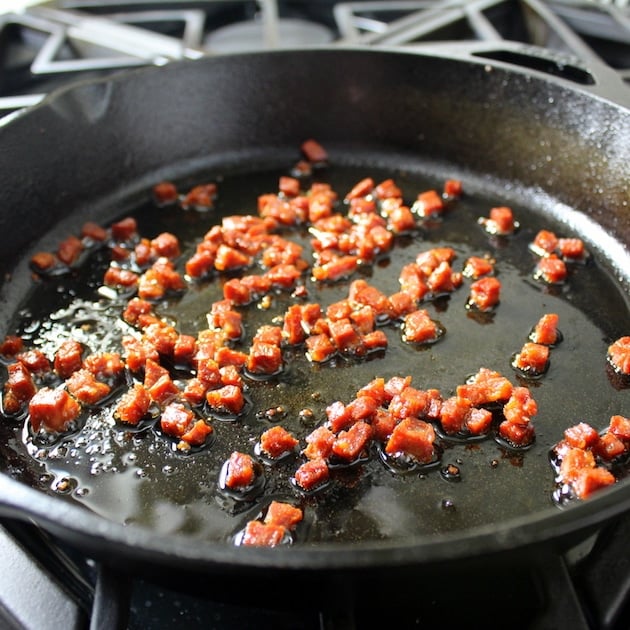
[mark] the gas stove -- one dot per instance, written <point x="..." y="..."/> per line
<point x="47" y="45"/>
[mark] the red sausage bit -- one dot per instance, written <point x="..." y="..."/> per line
<point x="18" y="389"/>
<point x="551" y="270"/>
<point x="500" y="222"/>
<point x="241" y="475"/>
<point x="581" y="457"/>
<point x="133" y="405"/>
<point x="517" y="429"/>
<point x="165" y="193"/>
<point x="618" y="355"/>
<point x="312" y="475"/>
<point x="484" y="294"/>
<point x="532" y="360"/>
<point x="277" y="442"/>
<point x="53" y="410"/>
<point x="419" y="328"/>
<point x="314" y="152"/>
<point x="276" y="528"/>
<point x="546" y="330"/>
<point x="180" y="422"/>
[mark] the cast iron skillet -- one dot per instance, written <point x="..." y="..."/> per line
<point x="94" y="150"/>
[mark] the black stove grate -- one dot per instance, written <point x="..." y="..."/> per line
<point x="54" y="42"/>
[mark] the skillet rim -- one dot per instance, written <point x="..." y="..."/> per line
<point x="546" y="528"/>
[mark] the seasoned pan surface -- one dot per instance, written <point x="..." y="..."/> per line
<point x="139" y="480"/>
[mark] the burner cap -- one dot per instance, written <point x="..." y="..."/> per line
<point x="250" y="36"/>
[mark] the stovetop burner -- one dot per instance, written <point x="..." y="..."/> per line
<point x="46" y="45"/>
<point x="586" y="589"/>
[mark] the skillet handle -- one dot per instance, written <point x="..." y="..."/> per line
<point x="593" y="75"/>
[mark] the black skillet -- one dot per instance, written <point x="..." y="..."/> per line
<point x="555" y="148"/>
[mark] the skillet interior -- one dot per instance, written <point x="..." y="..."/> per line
<point x="407" y="113"/>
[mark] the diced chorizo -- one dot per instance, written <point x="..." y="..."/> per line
<point x="551" y="269"/>
<point x="133" y="405"/>
<point x="485" y="293"/>
<point x="486" y="386"/>
<point x="53" y="410"/>
<point x="412" y="437"/>
<point x="408" y="402"/>
<point x="195" y="391"/>
<point x="124" y="229"/>
<point x="201" y="262"/>
<point x="93" y="231"/>
<point x="361" y="189"/>
<point x="68" y="358"/>
<point x="313" y="151"/>
<point x="453" y="414"/>
<point x="418" y="327"/>
<point x="478" y="421"/>
<point x="85" y="388"/>
<point x="200" y="197"/>
<point x="69" y="250"/>
<point x="120" y="277"/>
<point x="518" y="434"/>
<point x="11" y="345"/>
<point x="453" y="188"/>
<point x="346" y="338"/>
<point x="521" y="406"/>
<point x="546" y="330"/>
<point x="165" y="192"/>
<point x="43" y="261"/>
<point x="590" y="480"/>
<point x="158" y="382"/>
<point x="283" y="514"/>
<point x="620" y="426"/>
<point x="258" y="534"/>
<point x="319" y="443"/>
<point x="532" y="359"/>
<point x="571" y="248"/>
<point x="375" y="340"/>
<point x="500" y="222"/>
<point x="312" y="475"/>
<point x="618" y="355"/>
<point x="388" y="189"/>
<point x="475" y="267"/>
<point x="349" y="444"/>
<point x="545" y="242"/>
<point x="395" y="385"/>
<point x="241" y="471"/>
<point x="428" y="203"/>
<point x="166" y="244"/>
<point x="608" y="447"/>
<point x="320" y="348"/>
<point x="136" y="352"/>
<point x="225" y="356"/>
<point x="336" y="269"/>
<point x="176" y="419"/>
<point x="226" y="399"/>
<point x="264" y="358"/>
<point x="19" y="388"/>
<point x="184" y="349"/>
<point x="35" y="361"/>
<point x="134" y="308"/>
<point x="383" y="424"/>
<point x="581" y="435"/>
<point x="197" y="433"/>
<point x="277" y="441"/>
